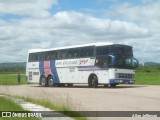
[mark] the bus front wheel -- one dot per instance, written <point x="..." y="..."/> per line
<point x="93" y="81"/>
<point x="44" y="81"/>
<point x="113" y="85"/>
<point x="69" y="84"/>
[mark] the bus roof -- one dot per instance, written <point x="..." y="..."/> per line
<point x="75" y="46"/>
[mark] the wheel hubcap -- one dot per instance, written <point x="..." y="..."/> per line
<point x="50" y="81"/>
<point x="43" y="81"/>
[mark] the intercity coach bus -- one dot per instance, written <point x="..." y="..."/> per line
<point x="94" y="64"/>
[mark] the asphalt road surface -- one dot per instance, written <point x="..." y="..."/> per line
<point x="80" y="97"/>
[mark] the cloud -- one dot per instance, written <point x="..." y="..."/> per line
<point x="61" y="29"/>
<point x="94" y="27"/>
<point x="39" y="28"/>
<point x="31" y="8"/>
<point x="145" y="14"/>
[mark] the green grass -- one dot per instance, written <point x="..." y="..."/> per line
<point x="63" y="108"/>
<point x="148" y="78"/>
<point x="8" y="105"/>
<point x="11" y="79"/>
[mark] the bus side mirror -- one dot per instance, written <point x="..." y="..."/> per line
<point x="135" y="63"/>
<point x="111" y="59"/>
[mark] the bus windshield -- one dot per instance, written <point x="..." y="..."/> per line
<point x="121" y="50"/>
<point x="123" y="56"/>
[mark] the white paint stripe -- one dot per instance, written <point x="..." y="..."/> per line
<point x="33" y="107"/>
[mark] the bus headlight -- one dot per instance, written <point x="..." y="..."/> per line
<point x="121" y="81"/>
<point x="117" y="81"/>
<point x="131" y="81"/>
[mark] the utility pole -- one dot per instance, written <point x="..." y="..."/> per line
<point x="143" y="61"/>
<point x="3" y="67"/>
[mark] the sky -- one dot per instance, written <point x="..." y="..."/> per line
<point x="29" y="24"/>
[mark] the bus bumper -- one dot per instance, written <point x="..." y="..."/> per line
<point x="121" y="81"/>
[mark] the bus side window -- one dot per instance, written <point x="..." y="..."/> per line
<point x="61" y="54"/>
<point x="76" y="52"/>
<point x="42" y="56"/>
<point x="38" y="56"/>
<point x="47" y="56"/>
<point x="69" y="54"/>
<point x="98" y="62"/>
<point x="52" y="55"/>
<point x="99" y="50"/>
<point x="102" y="62"/>
<point x="84" y="52"/>
<point x="64" y="54"/>
<point x="87" y="51"/>
<point x="91" y="51"/>
<point x="58" y="56"/>
<point x="105" y="62"/>
<point x="32" y="57"/>
<point x="73" y="53"/>
<point x="104" y="50"/>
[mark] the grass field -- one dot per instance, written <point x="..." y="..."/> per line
<point x="8" y="105"/>
<point x="11" y="79"/>
<point x="145" y="78"/>
<point x="150" y="78"/>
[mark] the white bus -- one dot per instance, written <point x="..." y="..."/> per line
<point x="93" y="64"/>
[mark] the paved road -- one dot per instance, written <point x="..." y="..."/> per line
<point x="121" y="98"/>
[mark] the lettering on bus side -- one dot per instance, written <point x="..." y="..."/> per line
<point x="64" y="63"/>
<point x="83" y="61"/>
<point x="59" y="63"/>
<point x="74" y="62"/>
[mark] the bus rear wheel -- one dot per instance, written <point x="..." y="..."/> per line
<point x="44" y="81"/>
<point x="60" y="85"/>
<point x="51" y="81"/>
<point x="112" y="85"/>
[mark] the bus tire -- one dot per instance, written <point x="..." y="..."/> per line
<point x="44" y="81"/>
<point x="89" y="83"/>
<point x="113" y="85"/>
<point x="93" y="81"/>
<point x="105" y="85"/>
<point x="60" y="85"/>
<point x="69" y="85"/>
<point x="51" y="81"/>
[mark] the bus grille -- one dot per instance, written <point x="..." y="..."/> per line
<point x="124" y="75"/>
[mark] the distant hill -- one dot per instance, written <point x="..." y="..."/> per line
<point x="12" y="67"/>
<point x="151" y="64"/>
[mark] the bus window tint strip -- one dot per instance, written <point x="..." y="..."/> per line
<point x="62" y="54"/>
